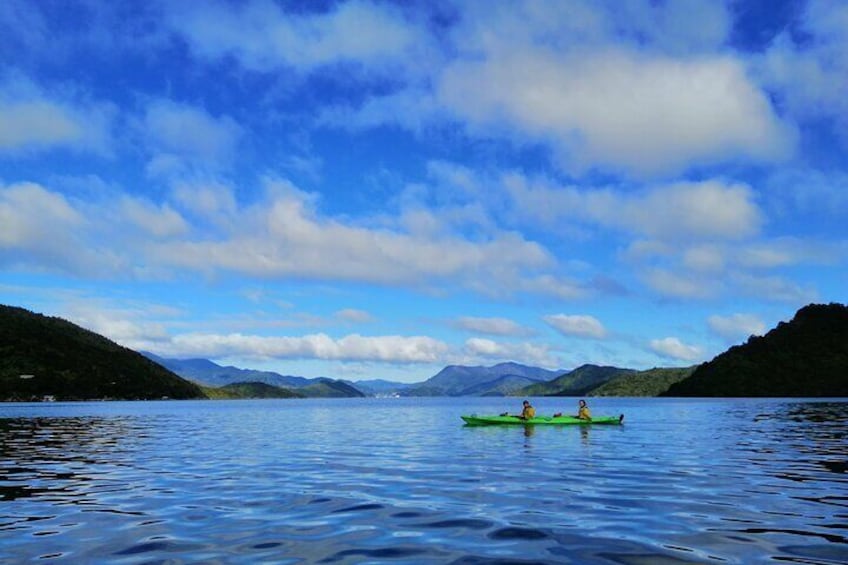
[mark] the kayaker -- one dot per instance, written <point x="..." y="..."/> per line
<point x="583" y="411"/>
<point x="527" y="412"/>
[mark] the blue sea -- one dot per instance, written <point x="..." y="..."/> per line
<point x="404" y="481"/>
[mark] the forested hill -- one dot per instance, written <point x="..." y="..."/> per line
<point x="806" y="357"/>
<point x="44" y="356"/>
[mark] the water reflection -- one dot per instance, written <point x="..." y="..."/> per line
<point x="813" y="433"/>
<point x="56" y="457"/>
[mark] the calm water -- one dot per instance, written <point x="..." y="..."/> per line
<point x="403" y="481"/>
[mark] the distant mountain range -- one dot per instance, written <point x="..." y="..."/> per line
<point x="43" y="357"/>
<point x="497" y="380"/>
<point x="210" y="374"/>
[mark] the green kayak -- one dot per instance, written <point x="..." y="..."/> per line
<point x="475" y="420"/>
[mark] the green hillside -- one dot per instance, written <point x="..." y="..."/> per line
<point x="578" y="382"/>
<point x="652" y="382"/>
<point x="328" y="388"/>
<point x="249" y="390"/>
<point x="42" y="356"/>
<point x="806" y="357"/>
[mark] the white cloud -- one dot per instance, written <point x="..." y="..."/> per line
<point x="561" y="287"/>
<point x="286" y="236"/>
<point x="736" y="326"/>
<point x="32" y="120"/>
<point x="478" y="350"/>
<point x="595" y="108"/>
<point x="263" y="36"/>
<point x="280" y="237"/>
<point x="577" y="325"/>
<point x="790" y="251"/>
<point x="638" y="87"/>
<point x="705" y="258"/>
<point x="355" y="316"/>
<point x="711" y="209"/>
<point x="673" y="348"/>
<point x="492" y="326"/>
<point x="180" y="133"/>
<point x="38" y="228"/>
<point x="774" y="288"/>
<point x="210" y="202"/>
<point x="158" y="221"/>
<point x="353" y="347"/>
<point x="708" y="209"/>
<point x="43" y="229"/>
<point x="680" y="284"/>
<point x="681" y="27"/>
<point x="810" y="76"/>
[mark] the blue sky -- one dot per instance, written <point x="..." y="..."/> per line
<point x="375" y="189"/>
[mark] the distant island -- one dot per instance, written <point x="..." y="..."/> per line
<point x="47" y="358"/>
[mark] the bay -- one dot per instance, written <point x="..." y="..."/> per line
<point x="404" y="481"/>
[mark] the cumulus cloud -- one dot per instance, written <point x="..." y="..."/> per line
<point x="34" y="120"/>
<point x="680" y="284"/>
<point x="37" y="227"/>
<point x="44" y="229"/>
<point x="708" y="209"/>
<point x="808" y="71"/>
<point x="158" y="221"/>
<point x="577" y="325"/>
<point x="673" y="348"/>
<point x="263" y="36"/>
<point x="180" y="134"/>
<point x="281" y="236"/>
<point x="711" y="209"/>
<point x="736" y="326"/>
<point x="212" y="203"/>
<point x="481" y="349"/>
<point x="775" y="288"/>
<point x="643" y="88"/>
<point x="562" y="286"/>
<point x="492" y="326"/>
<point x="353" y="347"/>
<point x="594" y="108"/>
<point x="790" y="251"/>
<point x="705" y="258"/>
<point x="287" y="236"/>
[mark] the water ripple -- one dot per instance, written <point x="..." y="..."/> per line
<point x="690" y="481"/>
